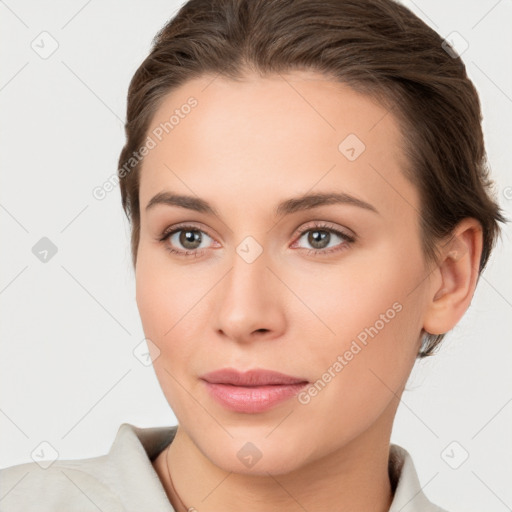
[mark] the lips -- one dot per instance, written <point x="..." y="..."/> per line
<point x="251" y="378"/>
<point x="253" y="391"/>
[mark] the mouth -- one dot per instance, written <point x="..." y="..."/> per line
<point x="252" y="391"/>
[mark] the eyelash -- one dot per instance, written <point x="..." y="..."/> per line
<point x="319" y="226"/>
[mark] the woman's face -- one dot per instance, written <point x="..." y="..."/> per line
<point x="331" y="292"/>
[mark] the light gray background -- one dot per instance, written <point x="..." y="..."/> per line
<point x="68" y="374"/>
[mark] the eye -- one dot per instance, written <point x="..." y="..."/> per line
<point x="322" y="238"/>
<point x="185" y="240"/>
<point x="188" y="240"/>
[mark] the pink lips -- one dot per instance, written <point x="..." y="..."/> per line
<point x="252" y="391"/>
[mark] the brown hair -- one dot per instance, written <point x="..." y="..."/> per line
<point x="378" y="47"/>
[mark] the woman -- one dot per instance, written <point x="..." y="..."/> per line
<point x="310" y="212"/>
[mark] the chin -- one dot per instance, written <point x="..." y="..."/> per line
<point x="255" y="454"/>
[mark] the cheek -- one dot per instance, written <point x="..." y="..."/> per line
<point x="365" y="297"/>
<point x="374" y="323"/>
<point x="158" y="300"/>
<point x="169" y="304"/>
<point x="161" y="292"/>
<point x="359" y="374"/>
<point x="163" y="312"/>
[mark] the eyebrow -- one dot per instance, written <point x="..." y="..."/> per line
<point x="286" y="207"/>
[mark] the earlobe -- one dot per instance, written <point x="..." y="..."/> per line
<point x="454" y="280"/>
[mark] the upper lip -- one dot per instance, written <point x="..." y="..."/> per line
<point x="255" y="377"/>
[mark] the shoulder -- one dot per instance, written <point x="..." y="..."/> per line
<point x="65" y="485"/>
<point x="121" y="480"/>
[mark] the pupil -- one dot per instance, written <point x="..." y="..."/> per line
<point x="316" y="239"/>
<point x="190" y="237"/>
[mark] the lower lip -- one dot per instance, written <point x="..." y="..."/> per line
<point x="252" y="399"/>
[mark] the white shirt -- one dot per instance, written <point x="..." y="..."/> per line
<point x="124" y="480"/>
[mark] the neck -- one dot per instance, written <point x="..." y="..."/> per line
<point x="353" y="478"/>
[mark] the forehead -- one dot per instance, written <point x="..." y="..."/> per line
<point x="297" y="130"/>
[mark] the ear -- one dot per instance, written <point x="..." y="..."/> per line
<point x="454" y="279"/>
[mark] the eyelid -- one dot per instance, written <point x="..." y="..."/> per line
<point x="308" y="226"/>
<point x="349" y="235"/>
<point x="182" y="226"/>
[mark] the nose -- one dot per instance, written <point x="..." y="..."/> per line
<point x="250" y="302"/>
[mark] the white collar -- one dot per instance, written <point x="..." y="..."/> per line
<point x="146" y="443"/>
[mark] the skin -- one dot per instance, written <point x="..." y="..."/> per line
<point x="245" y="147"/>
